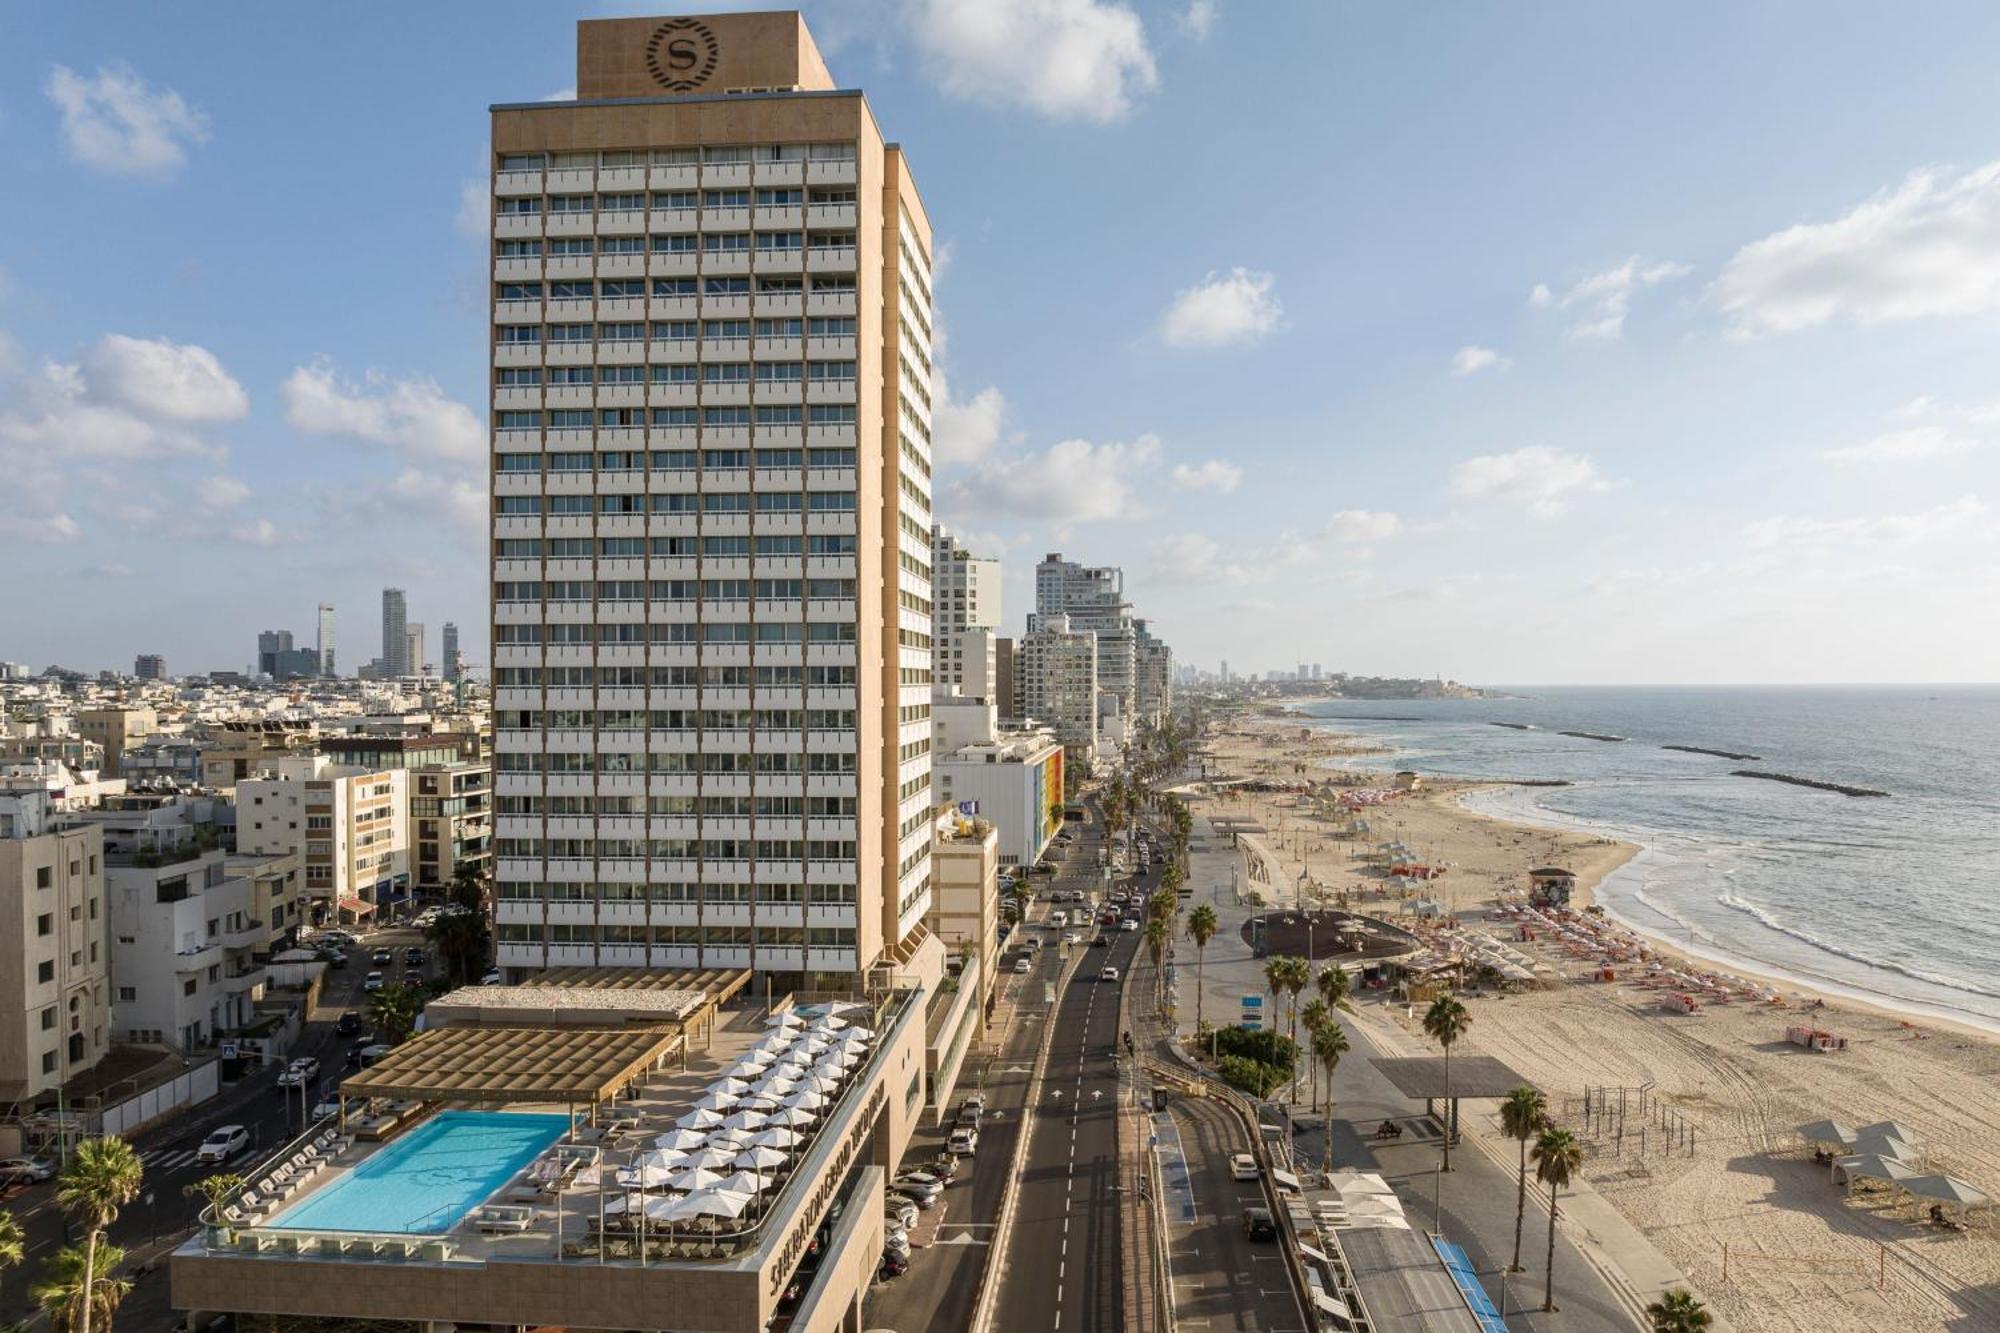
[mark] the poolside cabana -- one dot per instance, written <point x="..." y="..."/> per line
<point x="580" y="1068"/>
<point x="1892" y="1129"/>
<point x="685" y="1001"/>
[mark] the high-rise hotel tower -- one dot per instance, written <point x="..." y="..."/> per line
<point x="711" y="535"/>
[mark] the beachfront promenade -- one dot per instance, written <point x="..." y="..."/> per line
<point x="1606" y="1271"/>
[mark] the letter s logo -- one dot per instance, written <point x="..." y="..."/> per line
<point x="681" y="54"/>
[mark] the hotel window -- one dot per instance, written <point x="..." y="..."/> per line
<point x="675" y="287"/>
<point x="668" y="245"/>
<point x="517" y="463"/>
<point x="519" y="207"/>
<point x="520" y="250"/>
<point x="520" y="378"/>
<point x="725" y="328"/>
<point x="521" y="548"/>
<point x="830" y="458"/>
<point x="618" y="289"/>
<point x="674" y="199"/>
<point x="622" y="245"/>
<point x="725" y="460"/>
<point x="830" y="370"/>
<point x="778" y="502"/>
<point x="725" y="416"/>
<point x="519" y="333"/>
<point x="725" y="154"/>
<point x="787" y="198"/>
<point x="726" y="240"/>
<point x="520" y="291"/>
<point x="518" y="420"/>
<point x="674" y="331"/>
<point x="775" y="458"/>
<point x="777" y="372"/>
<point x="621" y="203"/>
<point x="569" y="462"/>
<point x="831" y="414"/>
<point x="780" y="416"/>
<point x="612" y="418"/>
<point x="621" y="333"/>
<point x="624" y="375"/>
<point x="780" y="328"/>
<point x="569" y="333"/>
<point x="521" y="161"/>
<point x="725" y="199"/>
<point x="725" y="502"/>
<point x="571" y="375"/>
<point x="570" y="291"/>
<point x="575" y="419"/>
<point x="672" y="460"/>
<point x="569" y="203"/>
<point x="780" y="546"/>
<point x="573" y="247"/>
<point x="779" y="240"/>
<point x="621" y="462"/>
<point x="780" y="285"/>
<point x="725" y="372"/>
<point x="725" y="286"/>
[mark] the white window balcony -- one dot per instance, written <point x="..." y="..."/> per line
<point x="515" y="226"/>
<point x="572" y="955"/>
<point x="725" y="395"/>
<point x="780" y="957"/>
<point x="674" y="307"/>
<point x="571" y="354"/>
<point x="830" y="391"/>
<point x="725" y="307"/>
<point x="672" y="220"/>
<point x="841" y="436"/>
<point x="832" y="347"/>
<point x="831" y="215"/>
<point x="778" y="173"/>
<point x="673" y="178"/>
<point x="779" y="392"/>
<point x="830" y="916"/>
<point x="831" y="259"/>
<point x="725" y="262"/>
<point x="725" y="175"/>
<point x="832" y="960"/>
<point x="776" y="479"/>
<point x="777" y="349"/>
<point x="672" y="263"/>
<point x="725" y="349"/>
<point x="622" y="307"/>
<point x="517" y="654"/>
<point x="830" y="479"/>
<point x="678" y="352"/>
<point x="517" y="525"/>
<point x="622" y="395"/>
<point x="569" y="439"/>
<point x="516" y="483"/>
<point x="621" y="354"/>
<point x="569" y="266"/>
<point x="621" y="266"/>
<point x="515" y="268"/>
<point x="621" y="955"/>
<point x="573" y="180"/>
<point x="779" y="437"/>
<point x="829" y="173"/>
<point x="777" y="304"/>
<point x="625" y="222"/>
<point x="780" y="261"/>
<point x="621" y="178"/>
<point x="566" y="913"/>
<point x="791" y="217"/>
<point x="516" y="184"/>
<point x="830" y="303"/>
<point x="513" y="396"/>
<point x="572" y="224"/>
<point x="725" y="219"/>
<point x="506" y="355"/>
<point x="570" y="310"/>
<point x="570" y="395"/>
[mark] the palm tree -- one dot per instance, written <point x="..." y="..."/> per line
<point x="1201" y="928"/>
<point x="1298" y="975"/>
<point x="1558" y="1157"/>
<point x="1314" y="1016"/>
<point x="393" y="1010"/>
<point x="1444" y="1023"/>
<point x="1677" y="1311"/>
<point x="100" y="1179"/>
<point x="1334" y="985"/>
<point x="1158" y="932"/>
<point x="1524" y="1114"/>
<point x="13" y="1242"/>
<point x="71" y="1293"/>
<point x="470" y="887"/>
<point x="461" y="938"/>
<point x="1329" y="1043"/>
<point x="1276" y="968"/>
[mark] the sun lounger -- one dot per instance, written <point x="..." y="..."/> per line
<point x="504" y="1218"/>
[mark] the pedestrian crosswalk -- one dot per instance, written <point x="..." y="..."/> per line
<point x="166" y="1161"/>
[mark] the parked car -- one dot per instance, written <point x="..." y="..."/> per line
<point x="222" y="1144"/>
<point x="370" y="1054"/>
<point x="899" y="1213"/>
<point x="1242" y="1166"/>
<point x="893" y="1266"/>
<point x="299" y="1072"/>
<point x="964" y="1142"/>
<point x="347" y="1024"/>
<point x="924" y="1196"/>
<point x="1107" y="973"/>
<point x="382" y="958"/>
<point x="492" y="977"/>
<point x="896" y="1243"/>
<point x="968" y="1114"/>
<point x="326" y="1109"/>
<point x="1130" y="923"/>
<point x="373" y="981"/>
<point x="1024" y="965"/>
<point x="1259" y="1225"/>
<point x="26" y="1170"/>
<point x="944" y="1166"/>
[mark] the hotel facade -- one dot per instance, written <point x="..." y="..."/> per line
<point x="711" y="513"/>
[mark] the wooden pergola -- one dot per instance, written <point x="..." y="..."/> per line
<point x="574" y="1066"/>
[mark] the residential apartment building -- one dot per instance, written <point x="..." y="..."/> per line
<point x="1010" y="779"/>
<point x="451" y="658"/>
<point x="1006" y="693"/>
<point x="240" y="749"/>
<point x="712" y="603"/>
<point x="55" y="957"/>
<point x="349" y="825"/>
<point x="450" y="795"/>
<point x="395" y="634"/>
<point x="1153" y="689"/>
<point x="1093" y="597"/>
<point x="149" y="666"/>
<point x="1059" y="681"/>
<point x="966" y="613"/>
<point x="114" y="728"/>
<point x="188" y="954"/>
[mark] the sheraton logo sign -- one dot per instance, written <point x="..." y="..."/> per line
<point x="681" y="54"/>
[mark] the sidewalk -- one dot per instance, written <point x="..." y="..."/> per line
<point x="1138" y="1226"/>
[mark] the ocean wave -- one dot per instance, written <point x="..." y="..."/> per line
<point x="1805" y="937"/>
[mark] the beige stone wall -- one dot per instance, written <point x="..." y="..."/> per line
<point x="696" y="55"/>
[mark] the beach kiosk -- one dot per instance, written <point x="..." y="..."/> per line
<point x="1551" y="886"/>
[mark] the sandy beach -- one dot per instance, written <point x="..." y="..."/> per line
<point x="1802" y="1256"/>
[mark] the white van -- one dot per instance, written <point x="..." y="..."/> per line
<point x="1057" y="920"/>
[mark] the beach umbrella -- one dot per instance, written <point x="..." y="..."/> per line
<point x="1894" y="1129"/>
<point x="684" y="1140"/>
<point x="726" y="1083"/>
<point x="775" y="1086"/>
<point x="746" y="1182"/>
<point x="788" y="1019"/>
<point x="744" y="1120"/>
<point x="753" y="1061"/>
<point x="760" y="1101"/>
<point x="819" y="1083"/>
<point x="839" y="1007"/>
<point x="662" y="1157"/>
<point x="644" y="1177"/>
<point x="759" y="1159"/>
<point x="618" y="1204"/>
<point x="696" y="1178"/>
<point x="714" y="1100"/>
<point x="1946" y="1189"/>
<point x="710" y="1203"/>
<point x="828" y="1023"/>
<point x="805" y="1099"/>
<point x="792" y="1067"/>
<point x="776" y="1136"/>
<point x="858" y="1035"/>
<point x="660" y="1205"/>
<point x="1870" y="1166"/>
<point x="712" y="1158"/>
<point x="700" y="1118"/>
<point x="811" y="1045"/>
<point x="1827" y="1131"/>
<point x="1883" y="1146"/>
<point x="792" y="1115"/>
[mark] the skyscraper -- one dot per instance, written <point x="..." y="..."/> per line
<point x="270" y="643"/>
<point x="711" y="260"/>
<point x="450" y="662"/>
<point x="1093" y="597"/>
<point x="418" y="653"/>
<point x="395" y="634"/>
<point x="325" y="643"/>
<point x="149" y="666"/>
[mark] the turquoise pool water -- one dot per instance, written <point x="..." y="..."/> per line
<point x="424" y="1182"/>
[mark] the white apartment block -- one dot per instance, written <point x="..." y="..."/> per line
<point x="711" y="519"/>
<point x="1059" y="680"/>
<point x="1012" y="780"/>
<point x="349" y="825"/>
<point x="55" y="957"/>
<point x="184" y="946"/>
<point x="966" y="600"/>
<point x="1093" y="597"/>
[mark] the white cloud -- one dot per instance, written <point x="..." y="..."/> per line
<point x="164" y="381"/>
<point x="1190" y="558"/>
<point x="1065" y="59"/>
<point x="1363" y="525"/>
<point x="411" y="414"/>
<point x="1601" y="301"/>
<point x="965" y="432"/>
<point x="116" y="122"/>
<point x="1072" y="482"/>
<point x="1472" y="358"/>
<point x="220" y="492"/>
<point x="1214" y="475"/>
<point x="260" y="532"/>
<point x="1879" y="529"/>
<point x="475" y="209"/>
<point x="1234" y="307"/>
<point x="1930" y="247"/>
<point x="1198" y="19"/>
<point x="1540" y="477"/>
<point x="561" y="95"/>
<point x="45" y="529"/>
<point x="1925" y="429"/>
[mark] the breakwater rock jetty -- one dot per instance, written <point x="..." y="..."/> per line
<point x="1590" y="735"/>
<point x="1513" y="726"/>
<point x="1719" y="754"/>
<point x="1814" y="783"/>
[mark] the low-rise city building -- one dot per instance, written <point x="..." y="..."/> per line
<point x="55" y="964"/>
<point x="350" y="826"/>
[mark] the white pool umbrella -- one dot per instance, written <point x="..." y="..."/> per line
<point x="713" y="1100"/>
<point x="760" y="1101"/>
<point x="792" y="1115"/>
<point x="745" y="1120"/>
<point x="659" y="1206"/>
<point x="684" y="1140"/>
<point x="759" y="1159"/>
<point x="645" y="1177"/>
<point x="699" y="1118"/>
<point x="712" y="1158"/>
<point x="730" y="1085"/>
<point x="746" y="1182"/>
<point x="777" y="1087"/>
<point x="791" y="1068"/>
<point x="812" y="1046"/>
<point x="753" y="1061"/>
<point x="839" y="1007"/>
<point x="788" y="1019"/>
<point x="806" y="1099"/>
<point x="710" y="1203"/>
<point x="858" y="1034"/>
<point x="663" y="1157"/>
<point x="777" y="1136"/>
<point x="695" y="1178"/>
<point x="828" y="1023"/>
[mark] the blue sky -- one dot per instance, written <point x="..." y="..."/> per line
<point x="1512" y="342"/>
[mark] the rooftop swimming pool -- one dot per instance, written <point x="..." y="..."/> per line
<point x="424" y="1182"/>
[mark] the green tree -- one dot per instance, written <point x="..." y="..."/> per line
<point x="462" y="940"/>
<point x="71" y="1293"/>
<point x="1334" y="986"/>
<point x="1524" y="1114"/>
<point x="13" y="1242"/>
<point x="1558" y="1157"/>
<point x="1298" y="975"/>
<point x="1314" y="1016"/>
<point x="1157" y="933"/>
<point x="470" y="887"/>
<point x="215" y="1190"/>
<point x="1329" y="1043"/>
<point x="102" y="1177"/>
<point x="1201" y="928"/>
<point x="393" y="1010"/>
<point x="1444" y="1023"/>
<point x="1677" y="1311"/>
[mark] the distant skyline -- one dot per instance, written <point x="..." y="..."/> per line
<point x="1553" y="342"/>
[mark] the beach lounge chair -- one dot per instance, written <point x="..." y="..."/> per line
<point x="504" y="1219"/>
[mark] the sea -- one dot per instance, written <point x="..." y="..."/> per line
<point x="1891" y="900"/>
